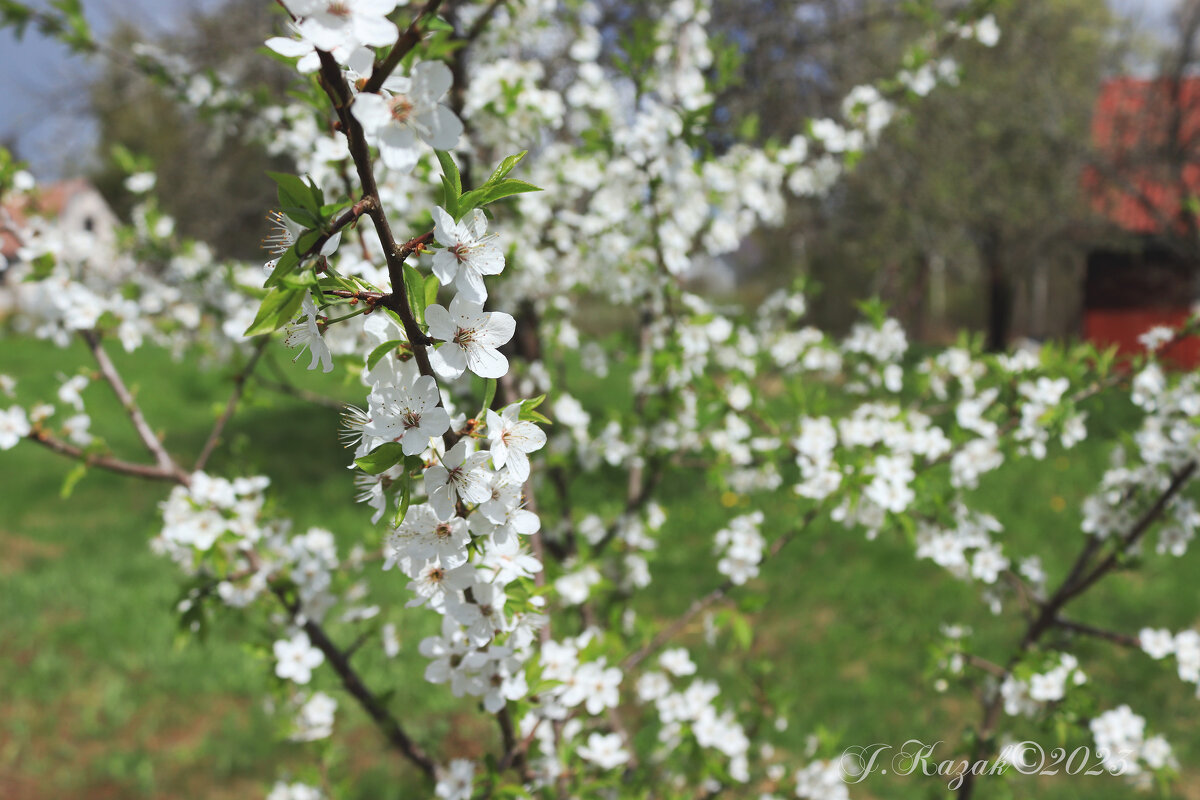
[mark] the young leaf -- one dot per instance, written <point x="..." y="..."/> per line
<point x="506" y="166"/>
<point x="414" y="286"/>
<point x="432" y="284"/>
<point x="277" y="309"/>
<point x="489" y="394"/>
<point x="382" y="350"/>
<point x="451" y="182"/>
<point x="492" y="192"/>
<point x="381" y="459"/>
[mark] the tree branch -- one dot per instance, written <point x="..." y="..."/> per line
<point x="147" y="471"/>
<point x="109" y="371"/>
<point x="239" y="387"/>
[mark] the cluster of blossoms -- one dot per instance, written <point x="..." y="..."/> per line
<point x="691" y="710"/>
<point x="1185" y="646"/>
<point x="1122" y="744"/>
<point x="740" y="546"/>
<point x="1027" y="696"/>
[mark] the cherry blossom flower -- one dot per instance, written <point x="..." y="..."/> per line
<point x="306" y="332"/>
<point x="345" y="25"/>
<point x="456" y="782"/>
<point x="14" y="426"/>
<point x="296" y="658"/>
<point x="409" y="415"/>
<point x="423" y="536"/>
<point x="604" y="750"/>
<point x="315" y="718"/>
<point x="458" y="476"/>
<point x="407" y="109"/>
<point x="468" y="253"/>
<point x="512" y="440"/>
<point x="471" y="337"/>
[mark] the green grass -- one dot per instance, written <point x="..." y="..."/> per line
<point x="102" y="701"/>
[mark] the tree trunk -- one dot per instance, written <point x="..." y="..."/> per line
<point x="999" y="293"/>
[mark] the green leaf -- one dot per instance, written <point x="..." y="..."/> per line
<point x="382" y="350"/>
<point x="490" y="193"/>
<point x="73" y="478"/>
<point x="405" y="499"/>
<point x="284" y="266"/>
<point x="432" y="284"/>
<point x="381" y="459"/>
<point x="489" y="394"/>
<point x="43" y="265"/>
<point x="742" y="632"/>
<point x="506" y="166"/>
<point x="451" y="182"/>
<point x="414" y="287"/>
<point x="296" y="196"/>
<point x="529" y="413"/>
<point x="277" y="309"/>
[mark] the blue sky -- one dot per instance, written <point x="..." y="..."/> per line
<point x="40" y="100"/>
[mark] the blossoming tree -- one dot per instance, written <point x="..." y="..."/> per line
<point x="470" y="177"/>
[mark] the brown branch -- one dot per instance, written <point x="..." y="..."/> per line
<point x="348" y="217"/>
<point x="1123" y="639"/>
<point x="1071" y="587"/>
<point x="147" y="471"/>
<point x="239" y="387"/>
<point x="149" y="439"/>
<point x="353" y="684"/>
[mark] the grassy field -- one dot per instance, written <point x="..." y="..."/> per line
<point x="102" y="701"/>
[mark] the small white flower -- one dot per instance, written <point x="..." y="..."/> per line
<point x="305" y="332"/>
<point x="296" y="658"/>
<point x="408" y="109"/>
<point x="458" y="476"/>
<point x="345" y="25"/>
<point x="315" y="718"/>
<point x="14" y="426"/>
<point x="512" y="440"/>
<point x="422" y="536"/>
<point x="468" y="253"/>
<point x="411" y="415"/>
<point x="456" y="782"/>
<point x="604" y="750"/>
<point x="471" y="337"/>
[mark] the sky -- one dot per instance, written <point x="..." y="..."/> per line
<point x="40" y="94"/>
<point x="41" y="99"/>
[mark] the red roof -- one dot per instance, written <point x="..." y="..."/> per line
<point x="1137" y="182"/>
<point x="48" y="200"/>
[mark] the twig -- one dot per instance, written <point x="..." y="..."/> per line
<point x="353" y="684"/>
<point x="148" y="471"/>
<point x="239" y="387"/>
<point x="1122" y="639"/>
<point x="109" y="371"/>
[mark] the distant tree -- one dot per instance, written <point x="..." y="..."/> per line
<point x="986" y="177"/>
<point x="219" y="190"/>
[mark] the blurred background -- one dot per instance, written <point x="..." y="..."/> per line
<point x="1051" y="194"/>
<point x="1068" y="144"/>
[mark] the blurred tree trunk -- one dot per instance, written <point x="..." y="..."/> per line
<point x="999" y="291"/>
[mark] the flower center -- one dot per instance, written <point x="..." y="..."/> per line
<point x="437" y="575"/>
<point x="442" y="531"/>
<point x="338" y="8"/>
<point x="411" y="420"/>
<point x="401" y="108"/>
<point x="464" y="336"/>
